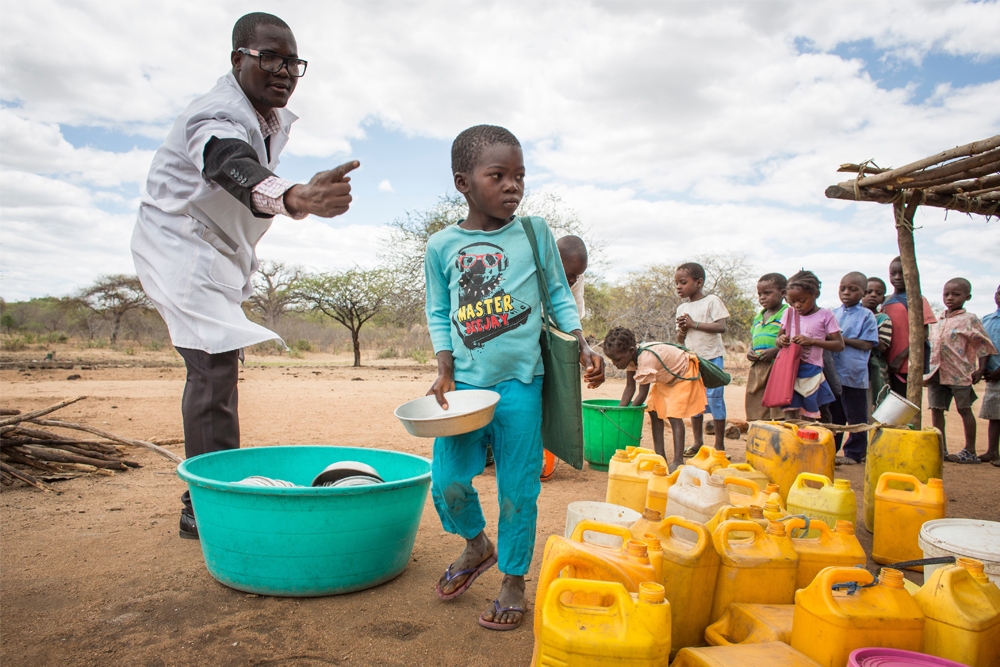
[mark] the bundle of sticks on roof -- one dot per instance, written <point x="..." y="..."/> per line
<point x="38" y="455"/>
<point x="965" y="178"/>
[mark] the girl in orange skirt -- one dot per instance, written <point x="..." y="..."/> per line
<point x="669" y="382"/>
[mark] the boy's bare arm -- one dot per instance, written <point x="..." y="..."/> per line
<point x="593" y="363"/>
<point x="629" y="389"/>
<point x="858" y="344"/>
<point x="978" y="374"/>
<point x="445" y="381"/>
<point x="643" y="393"/>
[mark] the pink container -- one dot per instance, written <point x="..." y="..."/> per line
<point x="894" y="657"/>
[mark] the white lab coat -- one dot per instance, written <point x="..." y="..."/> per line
<point x="194" y="244"/>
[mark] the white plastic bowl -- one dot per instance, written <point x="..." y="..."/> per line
<point x="969" y="538"/>
<point x="467" y="411"/>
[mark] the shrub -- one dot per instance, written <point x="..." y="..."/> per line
<point x="420" y="356"/>
<point x="154" y="346"/>
<point x="303" y="345"/>
<point x="388" y="353"/>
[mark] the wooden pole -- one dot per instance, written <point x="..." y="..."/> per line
<point x="914" y="299"/>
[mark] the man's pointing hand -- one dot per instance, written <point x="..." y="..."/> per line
<point x="327" y="194"/>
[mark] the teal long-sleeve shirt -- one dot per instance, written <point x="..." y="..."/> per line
<point x="483" y="302"/>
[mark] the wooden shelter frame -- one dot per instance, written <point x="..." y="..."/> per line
<point x="965" y="179"/>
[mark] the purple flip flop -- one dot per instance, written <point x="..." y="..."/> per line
<point x="502" y="627"/>
<point x="472" y="572"/>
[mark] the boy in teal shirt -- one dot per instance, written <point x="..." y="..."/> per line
<point x="484" y="319"/>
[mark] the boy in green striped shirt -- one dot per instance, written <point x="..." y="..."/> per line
<point x="763" y="346"/>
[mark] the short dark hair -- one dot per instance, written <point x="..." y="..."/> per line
<point x="780" y="281"/>
<point x="805" y="280"/>
<point x="697" y="271"/>
<point x="619" y="339"/>
<point x="964" y="282"/>
<point x="469" y="145"/>
<point x="876" y="279"/>
<point x="245" y="29"/>
<point x="857" y="276"/>
<point x="572" y="246"/>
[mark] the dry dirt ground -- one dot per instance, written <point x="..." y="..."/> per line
<point x="97" y="575"/>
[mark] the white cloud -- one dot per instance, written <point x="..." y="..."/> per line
<point x="671" y="127"/>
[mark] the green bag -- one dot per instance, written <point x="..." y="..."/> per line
<point x="710" y="374"/>
<point x="562" y="396"/>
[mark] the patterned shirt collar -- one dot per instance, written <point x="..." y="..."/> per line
<point x="270" y="125"/>
<point x="948" y="313"/>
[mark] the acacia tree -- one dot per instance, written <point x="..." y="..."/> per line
<point x="112" y="297"/>
<point x="275" y="290"/>
<point x="408" y="237"/>
<point x="351" y="297"/>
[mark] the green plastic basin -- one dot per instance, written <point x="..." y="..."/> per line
<point x="305" y="542"/>
<point x="607" y="428"/>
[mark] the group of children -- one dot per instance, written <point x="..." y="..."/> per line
<point x="848" y="357"/>
<point x="486" y="277"/>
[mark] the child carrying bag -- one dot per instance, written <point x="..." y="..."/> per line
<point x="711" y="375"/>
<point x="781" y="381"/>
<point x="562" y="397"/>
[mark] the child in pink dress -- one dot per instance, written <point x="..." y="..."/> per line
<point x="816" y="330"/>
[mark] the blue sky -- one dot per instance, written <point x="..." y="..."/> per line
<point x="671" y="129"/>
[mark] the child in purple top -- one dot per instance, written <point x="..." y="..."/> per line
<point x="816" y="330"/>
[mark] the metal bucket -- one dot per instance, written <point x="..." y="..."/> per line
<point x="894" y="410"/>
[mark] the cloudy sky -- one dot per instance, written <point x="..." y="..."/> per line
<point x="672" y="128"/>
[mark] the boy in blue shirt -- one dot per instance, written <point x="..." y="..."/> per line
<point x="484" y="319"/>
<point x="860" y="332"/>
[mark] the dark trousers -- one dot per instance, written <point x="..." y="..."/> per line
<point x="210" y="404"/>
<point x="852" y="408"/>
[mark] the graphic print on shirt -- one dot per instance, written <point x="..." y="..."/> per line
<point x="485" y="310"/>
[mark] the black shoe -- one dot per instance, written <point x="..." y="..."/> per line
<point x="189" y="529"/>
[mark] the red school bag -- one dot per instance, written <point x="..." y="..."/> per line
<point x="781" y="381"/>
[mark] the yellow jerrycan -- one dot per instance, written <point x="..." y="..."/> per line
<point x="752" y="624"/>
<point x="615" y="627"/>
<point x="658" y="486"/>
<point x="690" y="570"/>
<point x="697" y="496"/>
<point x="742" y="471"/>
<point x="758" y="570"/>
<point x="828" y="548"/>
<point x="737" y="513"/>
<point x="963" y="617"/>
<point x="818" y="498"/>
<point x="773" y="511"/>
<point x="709" y="459"/>
<point x="649" y="522"/>
<point x="837" y="614"/>
<point x="767" y="654"/>
<point x="627" y="479"/>
<point x="746" y="492"/>
<point x="629" y="565"/>
<point x="893" y="449"/>
<point x="782" y="450"/>
<point x="902" y="506"/>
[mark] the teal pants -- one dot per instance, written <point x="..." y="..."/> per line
<point x="515" y="434"/>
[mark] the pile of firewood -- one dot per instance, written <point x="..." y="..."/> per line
<point x="37" y="455"/>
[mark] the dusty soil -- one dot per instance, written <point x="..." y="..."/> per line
<point x="97" y="575"/>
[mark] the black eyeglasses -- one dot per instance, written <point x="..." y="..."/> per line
<point x="272" y="62"/>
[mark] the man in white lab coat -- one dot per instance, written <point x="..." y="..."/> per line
<point x="210" y="195"/>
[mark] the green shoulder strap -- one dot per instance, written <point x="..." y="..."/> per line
<point x="543" y="287"/>
<point x="644" y="348"/>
